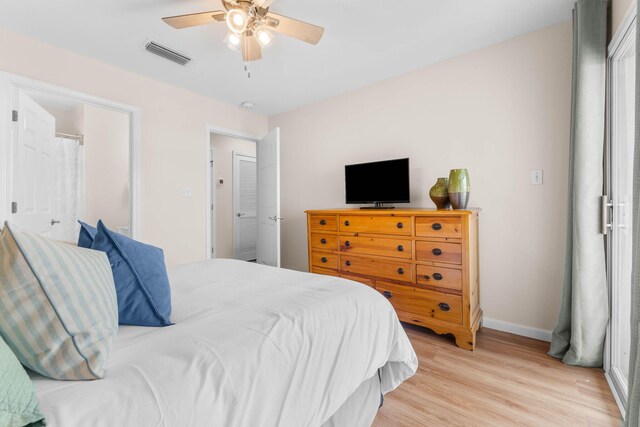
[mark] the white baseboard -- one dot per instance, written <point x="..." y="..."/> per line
<point x="525" y="331"/>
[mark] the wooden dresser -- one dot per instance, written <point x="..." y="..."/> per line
<point x="424" y="261"/>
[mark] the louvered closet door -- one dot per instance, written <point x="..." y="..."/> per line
<point x="245" y="207"/>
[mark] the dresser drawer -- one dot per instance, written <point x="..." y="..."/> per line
<point x="400" y="225"/>
<point x="324" y="241"/>
<point x="397" y="248"/>
<point x="324" y="271"/>
<point x="402" y="271"/>
<point x="324" y="260"/>
<point x="408" y="300"/>
<point x="362" y="280"/>
<point x="439" y="252"/>
<point x="323" y="222"/>
<point x="439" y="227"/>
<point x="449" y="278"/>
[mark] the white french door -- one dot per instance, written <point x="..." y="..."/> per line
<point x="268" y="149"/>
<point x="33" y="167"/>
<point x="622" y="66"/>
<point x="245" y="224"/>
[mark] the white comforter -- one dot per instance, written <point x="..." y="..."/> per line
<point x="251" y="346"/>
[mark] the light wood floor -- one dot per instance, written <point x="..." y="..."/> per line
<point x="508" y="380"/>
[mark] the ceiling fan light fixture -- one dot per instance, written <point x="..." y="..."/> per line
<point x="232" y="40"/>
<point x="237" y="20"/>
<point x="265" y="37"/>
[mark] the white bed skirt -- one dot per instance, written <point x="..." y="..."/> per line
<point x="361" y="408"/>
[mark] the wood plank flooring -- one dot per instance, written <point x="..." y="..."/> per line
<point x="508" y="380"/>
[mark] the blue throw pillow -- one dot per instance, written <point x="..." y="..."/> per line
<point x="87" y="234"/>
<point x="140" y="275"/>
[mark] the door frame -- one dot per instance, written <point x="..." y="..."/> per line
<point x="210" y="197"/>
<point x="11" y="83"/>
<point x="618" y="41"/>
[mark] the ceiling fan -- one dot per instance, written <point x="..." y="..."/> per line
<point x="250" y="26"/>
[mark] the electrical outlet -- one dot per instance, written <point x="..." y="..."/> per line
<point x="186" y="192"/>
<point x="536" y="177"/>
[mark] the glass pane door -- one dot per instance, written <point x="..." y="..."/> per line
<point x="622" y="128"/>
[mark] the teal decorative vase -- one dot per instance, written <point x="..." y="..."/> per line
<point x="459" y="188"/>
<point x="439" y="193"/>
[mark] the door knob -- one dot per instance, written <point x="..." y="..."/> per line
<point x="240" y="214"/>
<point x="275" y="218"/>
<point x="54" y="222"/>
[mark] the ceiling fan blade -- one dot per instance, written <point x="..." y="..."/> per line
<point x="250" y="48"/>
<point x="194" y="19"/>
<point x="263" y="3"/>
<point x="298" y="29"/>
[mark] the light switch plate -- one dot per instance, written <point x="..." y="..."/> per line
<point x="186" y="192"/>
<point x="536" y="177"/>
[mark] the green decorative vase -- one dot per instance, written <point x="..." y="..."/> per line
<point x="439" y="193"/>
<point x="459" y="188"/>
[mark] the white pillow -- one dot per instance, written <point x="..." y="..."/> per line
<point x="58" y="309"/>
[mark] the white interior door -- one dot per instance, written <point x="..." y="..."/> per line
<point x="245" y="203"/>
<point x="33" y="167"/>
<point x="268" y="149"/>
<point x="622" y="128"/>
<point x="213" y="178"/>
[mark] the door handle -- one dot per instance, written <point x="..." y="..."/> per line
<point x="275" y="218"/>
<point x="239" y="214"/>
<point x="605" y="225"/>
<point x="54" y="222"/>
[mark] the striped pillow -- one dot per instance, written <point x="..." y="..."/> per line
<point x="58" y="309"/>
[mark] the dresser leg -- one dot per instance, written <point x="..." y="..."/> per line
<point x="465" y="340"/>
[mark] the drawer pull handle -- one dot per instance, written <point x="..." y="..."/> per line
<point x="348" y="263"/>
<point x="401" y="271"/>
<point x="323" y="241"/>
<point x="323" y="222"/>
<point x="426" y="277"/>
<point x="436" y="226"/>
<point x="347" y="223"/>
<point x="400" y="248"/>
<point x="399" y="225"/>
<point x="437" y="276"/>
<point x="387" y="294"/>
<point x="347" y="243"/>
<point x="436" y="252"/>
<point x="323" y="259"/>
<point x="444" y="306"/>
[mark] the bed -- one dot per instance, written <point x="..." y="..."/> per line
<point x="251" y="346"/>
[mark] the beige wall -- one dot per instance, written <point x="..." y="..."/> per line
<point x="67" y="121"/>
<point x="106" y="166"/>
<point x="619" y="10"/>
<point x="500" y="112"/>
<point x="224" y="147"/>
<point x="173" y="136"/>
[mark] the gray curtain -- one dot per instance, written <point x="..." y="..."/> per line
<point x="578" y="338"/>
<point x="633" y="406"/>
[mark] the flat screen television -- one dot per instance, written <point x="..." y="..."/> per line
<point x="377" y="182"/>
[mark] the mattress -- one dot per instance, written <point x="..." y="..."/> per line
<point x="251" y="346"/>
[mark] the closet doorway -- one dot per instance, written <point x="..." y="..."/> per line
<point x="234" y="197"/>
<point x="241" y="225"/>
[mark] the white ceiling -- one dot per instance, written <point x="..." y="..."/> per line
<point x="365" y="41"/>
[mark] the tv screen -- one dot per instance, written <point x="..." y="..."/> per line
<point x="378" y="182"/>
